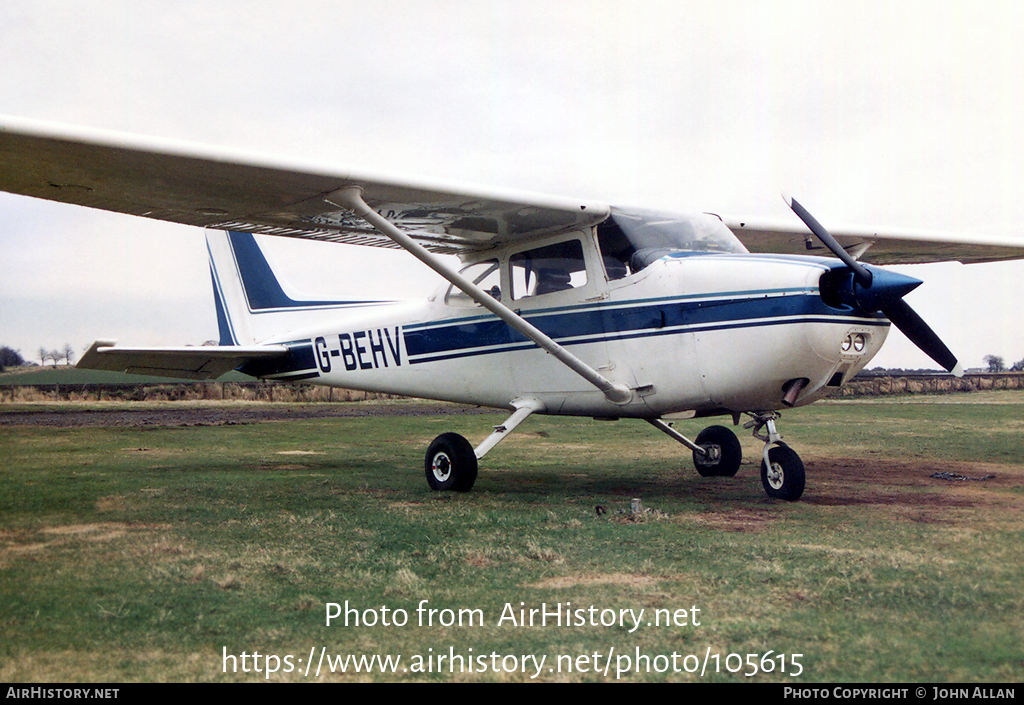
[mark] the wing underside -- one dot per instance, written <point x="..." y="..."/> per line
<point x="876" y="246"/>
<point x="240" y="191"/>
<point x="230" y="190"/>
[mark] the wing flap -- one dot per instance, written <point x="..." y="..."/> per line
<point x="233" y="190"/>
<point x="877" y="246"/>
<point x="200" y="363"/>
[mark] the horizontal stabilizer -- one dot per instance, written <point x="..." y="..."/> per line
<point x="203" y="362"/>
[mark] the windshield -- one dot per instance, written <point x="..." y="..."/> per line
<point x="632" y="239"/>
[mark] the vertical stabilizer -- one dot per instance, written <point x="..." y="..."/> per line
<point x="252" y="304"/>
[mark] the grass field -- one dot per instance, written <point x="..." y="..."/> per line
<point x="165" y="553"/>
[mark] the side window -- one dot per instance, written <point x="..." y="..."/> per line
<point x="548" y="269"/>
<point x="485" y="275"/>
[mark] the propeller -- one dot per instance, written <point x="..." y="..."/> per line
<point x="880" y="290"/>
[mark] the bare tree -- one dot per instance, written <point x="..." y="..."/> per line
<point x="69" y="353"/>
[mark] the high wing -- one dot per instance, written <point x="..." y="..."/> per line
<point x="204" y="362"/>
<point x="233" y="190"/>
<point x="876" y="246"/>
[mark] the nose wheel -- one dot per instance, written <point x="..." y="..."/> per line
<point x="783" y="474"/>
<point x="782" y="471"/>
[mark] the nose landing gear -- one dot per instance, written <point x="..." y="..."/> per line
<point x="782" y="471"/>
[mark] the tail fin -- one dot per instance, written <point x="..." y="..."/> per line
<point x="252" y="305"/>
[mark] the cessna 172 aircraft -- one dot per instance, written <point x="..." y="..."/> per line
<point x="559" y="306"/>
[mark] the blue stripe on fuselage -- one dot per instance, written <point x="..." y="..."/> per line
<point x="299" y="363"/>
<point x="604" y="322"/>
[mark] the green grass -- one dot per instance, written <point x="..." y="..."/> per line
<point x="144" y="553"/>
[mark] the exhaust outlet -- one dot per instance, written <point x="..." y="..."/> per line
<point x="791" y="390"/>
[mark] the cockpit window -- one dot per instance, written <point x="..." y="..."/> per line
<point x="548" y="269"/>
<point x="631" y="240"/>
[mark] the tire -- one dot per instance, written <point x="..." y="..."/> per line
<point x="786" y="478"/>
<point x="450" y="463"/>
<point x="730" y="452"/>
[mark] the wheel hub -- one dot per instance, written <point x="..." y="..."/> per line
<point x="776" y="475"/>
<point x="712" y="455"/>
<point x="441" y="467"/>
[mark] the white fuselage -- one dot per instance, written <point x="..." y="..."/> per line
<point x="703" y="333"/>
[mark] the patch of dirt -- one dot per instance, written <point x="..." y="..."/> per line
<point x="734" y="519"/>
<point x="112" y="503"/>
<point x="848" y="481"/>
<point x="97" y="531"/>
<point x="900" y="489"/>
<point x="15" y="543"/>
<point x="406" y="505"/>
<point x="904" y="489"/>
<point x="569" y="581"/>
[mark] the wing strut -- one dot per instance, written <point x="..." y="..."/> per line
<point x="351" y="199"/>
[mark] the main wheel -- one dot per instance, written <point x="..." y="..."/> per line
<point x="725" y="452"/>
<point x="451" y="463"/>
<point x="785" y="478"/>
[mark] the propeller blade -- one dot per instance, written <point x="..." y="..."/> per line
<point x="921" y="335"/>
<point x="860" y="272"/>
<point x="886" y="295"/>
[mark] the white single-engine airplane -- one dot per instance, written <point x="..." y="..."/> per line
<point x="559" y="306"/>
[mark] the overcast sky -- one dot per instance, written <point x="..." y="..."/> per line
<point x="877" y="113"/>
